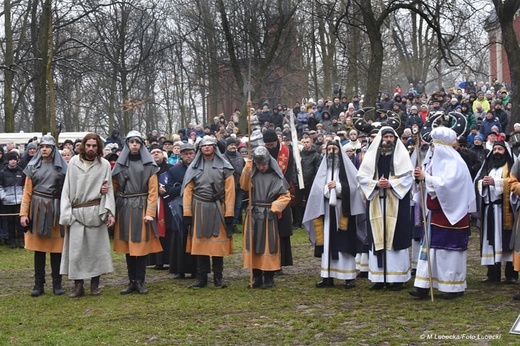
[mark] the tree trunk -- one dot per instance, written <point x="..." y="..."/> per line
<point x="8" y="72"/>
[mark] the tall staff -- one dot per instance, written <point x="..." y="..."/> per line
<point x="423" y="211"/>
<point x="250" y="199"/>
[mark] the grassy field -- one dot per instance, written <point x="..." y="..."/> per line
<point x="293" y="313"/>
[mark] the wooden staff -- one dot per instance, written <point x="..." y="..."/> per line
<point x="250" y="201"/>
<point x="423" y="207"/>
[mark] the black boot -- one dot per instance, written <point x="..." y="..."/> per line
<point x="130" y="288"/>
<point x="511" y="274"/>
<point x="140" y="287"/>
<point x="94" y="286"/>
<point x="268" y="280"/>
<point x="78" y="291"/>
<point x="257" y="279"/>
<point x="140" y="274"/>
<point x="421" y="293"/>
<point x="218" y="269"/>
<point x="326" y="282"/>
<point x="202" y="272"/>
<point x="39" y="273"/>
<point x="202" y="281"/>
<point x="131" y="268"/>
<point x="350" y="284"/>
<point x="57" y="289"/>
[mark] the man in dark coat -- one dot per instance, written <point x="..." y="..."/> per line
<point x="237" y="161"/>
<point x="159" y="259"/>
<point x="181" y="262"/>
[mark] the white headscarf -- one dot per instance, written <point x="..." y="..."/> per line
<point x="449" y="179"/>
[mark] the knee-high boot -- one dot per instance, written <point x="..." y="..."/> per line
<point x="39" y="273"/>
<point x="131" y="268"/>
<point x="202" y="272"/>
<point x="511" y="274"/>
<point x="57" y="288"/>
<point x="218" y="270"/>
<point x="140" y="274"/>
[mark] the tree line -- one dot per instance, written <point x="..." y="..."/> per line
<point x="96" y="65"/>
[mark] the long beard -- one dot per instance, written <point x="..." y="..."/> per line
<point x="386" y="147"/>
<point x="274" y="151"/>
<point x="332" y="162"/>
<point x="499" y="160"/>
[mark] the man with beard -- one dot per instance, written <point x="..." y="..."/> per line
<point x="135" y="234"/>
<point x="283" y="156"/>
<point x="87" y="209"/>
<point x="39" y="212"/>
<point x="329" y="217"/>
<point x="181" y="262"/>
<point x="237" y="161"/>
<point x="385" y="177"/>
<point x="496" y="214"/>
<point x="270" y="197"/>
<point x="209" y="208"/>
<point x="310" y="162"/>
<point x="450" y="197"/>
<point x="164" y="221"/>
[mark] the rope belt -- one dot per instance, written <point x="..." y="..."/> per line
<point x="87" y="204"/>
<point x="122" y="195"/>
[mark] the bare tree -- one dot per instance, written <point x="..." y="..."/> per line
<point x="506" y="10"/>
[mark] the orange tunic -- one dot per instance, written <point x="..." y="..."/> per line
<point x="149" y="242"/>
<point x="33" y="240"/>
<point x="265" y="261"/>
<point x="213" y="246"/>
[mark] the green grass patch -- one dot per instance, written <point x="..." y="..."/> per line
<point x="293" y="313"/>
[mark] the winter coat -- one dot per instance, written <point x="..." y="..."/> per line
<point x="11" y="185"/>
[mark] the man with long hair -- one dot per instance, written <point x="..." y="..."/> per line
<point x="87" y="209"/>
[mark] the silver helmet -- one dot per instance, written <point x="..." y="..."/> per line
<point x="48" y="140"/>
<point x="261" y="155"/>
<point x="207" y="140"/>
<point x="134" y="135"/>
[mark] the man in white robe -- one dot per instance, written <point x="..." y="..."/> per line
<point x="334" y="200"/>
<point x="87" y="208"/>
<point x="450" y="197"/>
<point x="385" y="177"/>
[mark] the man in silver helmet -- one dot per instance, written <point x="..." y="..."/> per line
<point x="262" y="251"/>
<point x="329" y="217"/>
<point x="385" y="178"/>
<point x="136" y="188"/>
<point x="39" y="212"/>
<point x="208" y="192"/>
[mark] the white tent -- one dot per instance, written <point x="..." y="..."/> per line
<point x="24" y="137"/>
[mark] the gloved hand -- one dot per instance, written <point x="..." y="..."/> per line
<point x="229" y="224"/>
<point x="188" y="220"/>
